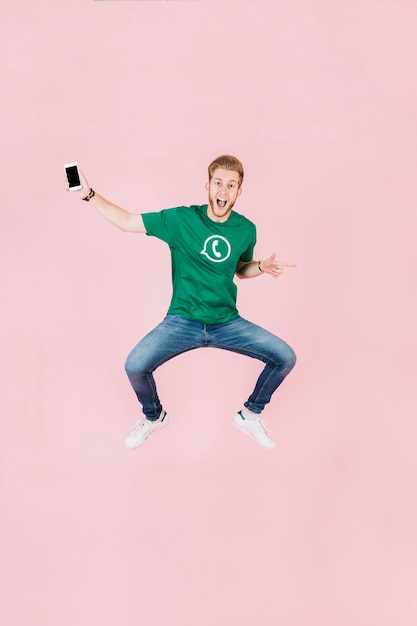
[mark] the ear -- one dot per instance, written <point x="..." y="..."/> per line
<point x="207" y="185"/>
<point x="239" y="191"/>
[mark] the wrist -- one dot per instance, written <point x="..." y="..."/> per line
<point x="260" y="267"/>
<point x="90" y="195"/>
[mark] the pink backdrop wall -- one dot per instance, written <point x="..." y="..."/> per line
<point x="200" y="526"/>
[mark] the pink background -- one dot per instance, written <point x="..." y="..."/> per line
<point x="201" y="526"/>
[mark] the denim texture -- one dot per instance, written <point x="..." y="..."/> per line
<point x="175" y="335"/>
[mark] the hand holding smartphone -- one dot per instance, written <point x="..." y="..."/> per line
<point x="73" y="176"/>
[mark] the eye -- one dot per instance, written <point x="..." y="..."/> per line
<point x="231" y="186"/>
<point x="217" y="183"/>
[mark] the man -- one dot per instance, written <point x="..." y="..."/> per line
<point x="209" y="244"/>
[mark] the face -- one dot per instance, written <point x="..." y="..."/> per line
<point x="223" y="191"/>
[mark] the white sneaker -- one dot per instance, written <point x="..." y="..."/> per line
<point x="143" y="429"/>
<point x="254" y="428"/>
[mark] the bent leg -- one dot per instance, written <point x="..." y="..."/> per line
<point x="246" y="338"/>
<point x="173" y="336"/>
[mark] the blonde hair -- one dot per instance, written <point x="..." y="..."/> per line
<point x="226" y="162"/>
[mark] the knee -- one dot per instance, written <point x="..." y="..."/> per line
<point x="132" y="365"/>
<point x="129" y="366"/>
<point x="291" y="358"/>
<point x="287" y="358"/>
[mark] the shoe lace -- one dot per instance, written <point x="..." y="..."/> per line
<point x="261" y="424"/>
<point x="142" y="426"/>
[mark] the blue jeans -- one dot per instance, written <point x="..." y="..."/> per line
<point x="175" y="335"/>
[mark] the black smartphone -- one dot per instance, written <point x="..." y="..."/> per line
<point x="73" y="176"/>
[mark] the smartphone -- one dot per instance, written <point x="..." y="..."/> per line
<point x="73" y="176"/>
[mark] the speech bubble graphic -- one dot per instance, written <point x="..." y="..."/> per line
<point x="216" y="248"/>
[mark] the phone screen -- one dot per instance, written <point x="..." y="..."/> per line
<point x="72" y="175"/>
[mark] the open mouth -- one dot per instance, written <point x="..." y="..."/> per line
<point x="221" y="203"/>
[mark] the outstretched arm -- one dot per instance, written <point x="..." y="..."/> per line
<point x="128" y="222"/>
<point x="270" y="266"/>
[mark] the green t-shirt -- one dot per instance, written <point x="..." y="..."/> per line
<point x="204" y="256"/>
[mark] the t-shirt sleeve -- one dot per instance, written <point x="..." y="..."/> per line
<point x="161" y="224"/>
<point x="248" y="254"/>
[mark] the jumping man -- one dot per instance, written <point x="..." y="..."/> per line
<point x="209" y="244"/>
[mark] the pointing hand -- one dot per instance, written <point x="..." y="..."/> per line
<point x="273" y="267"/>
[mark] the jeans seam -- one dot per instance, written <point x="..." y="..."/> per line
<point x="255" y="355"/>
<point x="172" y="356"/>
<point x="263" y="385"/>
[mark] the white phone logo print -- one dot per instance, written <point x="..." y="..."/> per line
<point x="216" y="248"/>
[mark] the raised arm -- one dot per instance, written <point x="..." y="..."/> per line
<point x="128" y="222"/>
